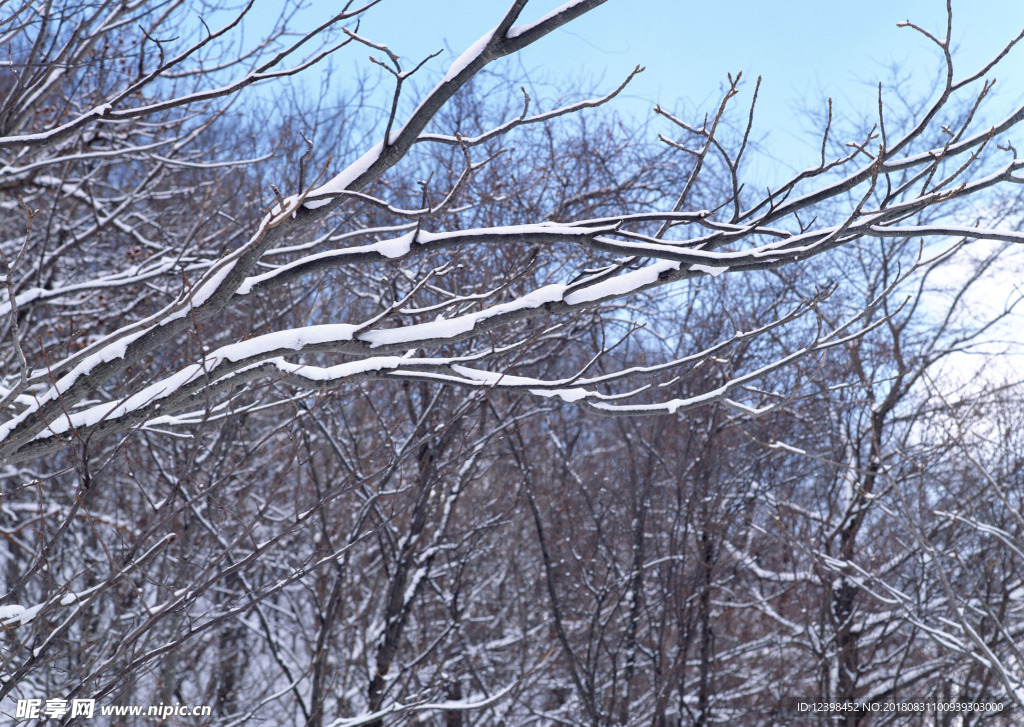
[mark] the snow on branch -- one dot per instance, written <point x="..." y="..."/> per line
<point x="591" y="266"/>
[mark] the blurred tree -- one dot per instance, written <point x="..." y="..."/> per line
<point x="311" y="442"/>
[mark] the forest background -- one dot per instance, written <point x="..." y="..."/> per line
<point x="347" y="385"/>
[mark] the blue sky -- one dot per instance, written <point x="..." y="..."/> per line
<point x="805" y="51"/>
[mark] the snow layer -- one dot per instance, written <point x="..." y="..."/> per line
<point x="453" y="327"/>
<point x="712" y="270"/>
<point x="468" y="56"/>
<point x="516" y="30"/>
<point x="322" y="195"/>
<point x="622" y="284"/>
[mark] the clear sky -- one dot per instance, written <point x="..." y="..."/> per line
<point x="805" y="51"/>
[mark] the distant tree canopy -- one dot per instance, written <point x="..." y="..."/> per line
<point x="330" y="418"/>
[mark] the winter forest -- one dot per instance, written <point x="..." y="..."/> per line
<point x="477" y="407"/>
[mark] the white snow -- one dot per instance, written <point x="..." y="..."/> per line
<point x="566" y="395"/>
<point x="209" y="286"/>
<point x="712" y="270"/>
<point x="468" y="56"/>
<point x="516" y="30"/>
<point x="621" y="284"/>
<point x="340" y="371"/>
<point x="108" y="353"/>
<point x="786" y="447"/>
<point x="294" y="339"/>
<point x="10" y="613"/>
<point x="396" y="247"/>
<point x="18" y="615"/>
<point x="322" y="195"/>
<point x="453" y="327"/>
<point x="253" y="348"/>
